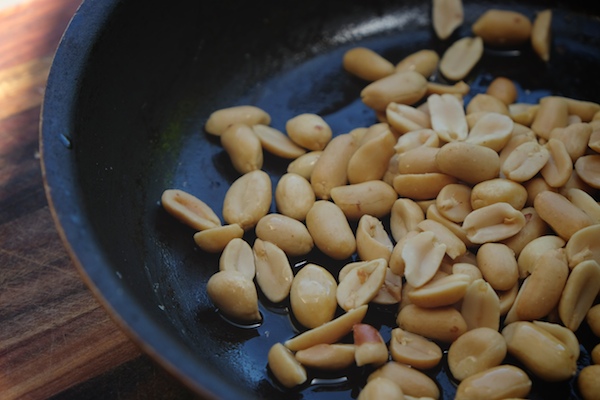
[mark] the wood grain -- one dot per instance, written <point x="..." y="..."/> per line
<point x="56" y="341"/>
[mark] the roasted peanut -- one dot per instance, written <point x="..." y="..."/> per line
<point x="308" y="130"/>
<point x="445" y="324"/>
<point x="330" y="230"/>
<point x="454" y="202"/>
<point x="243" y="147"/>
<point x="396" y="263"/>
<point x="564" y="217"/>
<point x="456" y="228"/>
<point x="492" y="130"/>
<point x="585" y="202"/>
<point x="189" y="209"/>
<point x="483" y="103"/>
<point x="372" y="240"/>
<point x="447" y="15"/>
<point x="525" y="161"/>
<point x="421" y="186"/>
<point x="414" y="350"/>
<point x="237" y="255"/>
<point x="565" y="335"/>
<point x="480" y="306"/>
<point x="412" y="381"/>
<point x="276" y="142"/>
<point x="220" y="120"/>
<point x="498" y="190"/>
<point x="403" y="118"/>
<point x="214" y="240"/>
<point x="541" y="34"/>
<point x="375" y="198"/>
<point x="424" y="62"/>
<point x="375" y="153"/>
<point x="248" y="199"/>
<point x="534" y="249"/>
<point x="475" y="351"/>
<point x="418" y="161"/>
<point x="405" y="215"/>
<point x="502" y="27"/>
<point x="447" y="117"/>
<point x="541" y="291"/>
<point x="273" y="271"/>
<point x="366" y="64"/>
<point x="593" y="319"/>
<point x="583" y="245"/>
<point x="504" y="89"/>
<point x="588" y="169"/>
<point x="288" y="371"/>
<point x="294" y="196"/>
<point x="328" y="333"/>
<point x="541" y="352"/>
<point x="331" y="169"/>
<point x="575" y="138"/>
<point x="414" y="139"/>
<point x="501" y="382"/>
<point x="304" y="164"/>
<point x="422" y="255"/>
<point x="498" y="265"/>
<point x="406" y="87"/>
<point x="493" y="223"/>
<point x="559" y="166"/>
<point x="552" y="113"/>
<point x="327" y="356"/>
<point x="468" y="269"/>
<point x="369" y="346"/>
<point x="580" y="291"/>
<point x="381" y="389"/>
<point x="440" y="292"/>
<point x="461" y="57"/>
<point x="468" y="162"/>
<point x="455" y="247"/>
<point x="287" y="233"/>
<point x="361" y="284"/>
<point x="534" y="228"/>
<point x="234" y="295"/>
<point x="312" y="296"/>
<point x="588" y="382"/>
<point x="459" y="88"/>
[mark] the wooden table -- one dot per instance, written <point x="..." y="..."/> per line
<point x="55" y="339"/>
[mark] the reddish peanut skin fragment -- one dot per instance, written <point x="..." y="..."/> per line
<point x="370" y="347"/>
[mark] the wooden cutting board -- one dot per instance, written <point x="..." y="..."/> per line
<point x="56" y="341"/>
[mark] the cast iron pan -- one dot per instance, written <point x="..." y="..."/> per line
<point x="128" y="95"/>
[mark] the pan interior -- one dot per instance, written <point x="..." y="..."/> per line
<point x="152" y="78"/>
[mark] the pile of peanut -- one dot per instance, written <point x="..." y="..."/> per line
<point x="493" y="245"/>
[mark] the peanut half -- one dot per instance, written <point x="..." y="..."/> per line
<point x="312" y="296"/>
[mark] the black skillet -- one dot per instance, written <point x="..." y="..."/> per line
<point x="129" y="92"/>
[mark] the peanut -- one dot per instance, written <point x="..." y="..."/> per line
<point x="477" y="350"/>
<point x="273" y="271"/>
<point x="287" y="233"/>
<point x="234" y="295"/>
<point x="366" y="64"/>
<point x="243" y="147"/>
<point x="308" y="130"/>
<point x="414" y="350"/>
<point x="502" y="27"/>
<point x="501" y="382"/>
<point x="461" y="57"/>
<point x="220" y="120"/>
<point x="312" y="296"/>
<point x="189" y="209"/>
